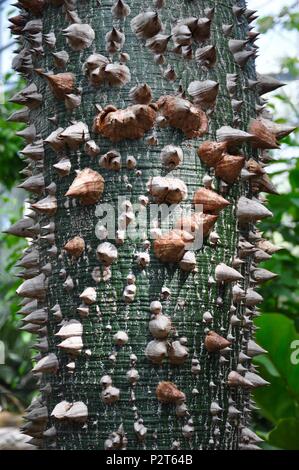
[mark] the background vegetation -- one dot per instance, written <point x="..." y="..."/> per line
<point x="16" y="383"/>
<point x="278" y="418"/>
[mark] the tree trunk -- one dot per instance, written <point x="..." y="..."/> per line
<point x="199" y="298"/>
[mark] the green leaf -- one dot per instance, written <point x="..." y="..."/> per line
<point x="277" y="334"/>
<point x="286" y="434"/>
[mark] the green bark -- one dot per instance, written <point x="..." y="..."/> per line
<point x="191" y="295"/>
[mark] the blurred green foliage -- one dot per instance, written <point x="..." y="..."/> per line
<point x="287" y="18"/>
<point x="16" y="381"/>
<point x="10" y="143"/>
<point x="278" y="418"/>
<point x="279" y="322"/>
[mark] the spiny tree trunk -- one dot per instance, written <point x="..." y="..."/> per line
<point x="107" y="392"/>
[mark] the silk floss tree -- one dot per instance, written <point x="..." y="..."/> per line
<point x="142" y="343"/>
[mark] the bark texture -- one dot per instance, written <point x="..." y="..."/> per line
<point x="192" y="294"/>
